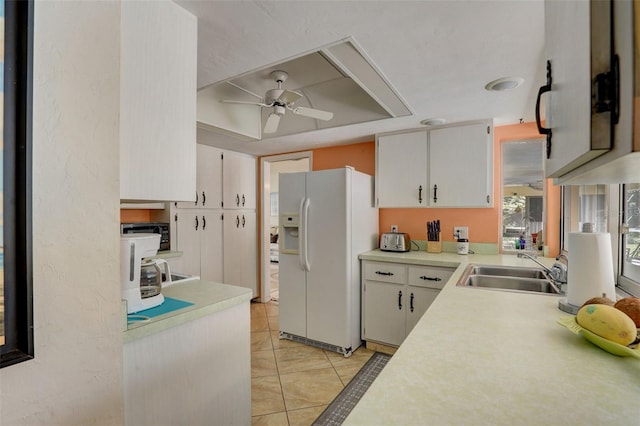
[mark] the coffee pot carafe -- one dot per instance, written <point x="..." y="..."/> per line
<point x="140" y="277"/>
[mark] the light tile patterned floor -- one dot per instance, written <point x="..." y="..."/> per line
<point x="292" y="383"/>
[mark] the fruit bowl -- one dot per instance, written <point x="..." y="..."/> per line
<point x="613" y="348"/>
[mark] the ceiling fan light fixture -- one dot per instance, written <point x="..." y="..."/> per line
<point x="505" y="83"/>
<point x="433" y="121"/>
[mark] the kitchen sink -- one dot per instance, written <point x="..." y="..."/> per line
<point x="505" y="278"/>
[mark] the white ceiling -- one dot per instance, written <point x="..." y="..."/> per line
<point x="438" y="55"/>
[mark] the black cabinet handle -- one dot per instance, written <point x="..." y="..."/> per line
<point x="197" y="224"/>
<point x="411" y="303"/>
<point x="400" y="300"/>
<point x="237" y="200"/>
<point x="196" y="203"/>
<point x="204" y="223"/>
<point x="204" y="198"/>
<point x="237" y="221"/>
<point x="424" y="277"/>
<point x="243" y="221"/>
<point x="384" y="273"/>
<point x="243" y="200"/>
<point x="420" y="194"/>
<point x="544" y="89"/>
<point x="435" y="194"/>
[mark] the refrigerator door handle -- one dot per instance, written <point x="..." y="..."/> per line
<point x="305" y="217"/>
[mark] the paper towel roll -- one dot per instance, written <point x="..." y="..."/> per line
<point x="590" y="268"/>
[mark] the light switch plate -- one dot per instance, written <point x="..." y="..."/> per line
<point x="464" y="231"/>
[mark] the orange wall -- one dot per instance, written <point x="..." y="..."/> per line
<point x="483" y="223"/>
<point x="135" y="215"/>
<point x="361" y="156"/>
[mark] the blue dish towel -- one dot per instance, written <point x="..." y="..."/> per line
<point x="169" y="305"/>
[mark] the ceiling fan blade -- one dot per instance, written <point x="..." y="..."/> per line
<point x="313" y="113"/>
<point x="288" y="97"/>
<point x="272" y="123"/>
<point x="224" y="101"/>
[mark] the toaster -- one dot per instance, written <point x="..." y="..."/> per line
<point x="395" y="241"/>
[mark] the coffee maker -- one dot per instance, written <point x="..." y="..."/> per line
<point x="146" y="293"/>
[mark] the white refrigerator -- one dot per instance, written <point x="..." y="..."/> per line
<point x="327" y="219"/>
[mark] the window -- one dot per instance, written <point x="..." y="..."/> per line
<point x="599" y="205"/>
<point x="523" y="194"/>
<point x="630" y="239"/>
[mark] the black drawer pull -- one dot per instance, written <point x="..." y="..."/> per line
<point x="424" y="277"/>
<point x="384" y="273"/>
<point x="400" y="300"/>
<point x="411" y="305"/>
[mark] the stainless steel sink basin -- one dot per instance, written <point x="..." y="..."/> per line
<point x="507" y="271"/>
<point x="504" y="278"/>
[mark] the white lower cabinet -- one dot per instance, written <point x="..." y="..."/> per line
<point x="198" y="236"/>
<point x="395" y="296"/>
<point x="240" y="258"/>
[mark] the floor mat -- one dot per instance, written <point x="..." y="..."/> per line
<point x="342" y="405"/>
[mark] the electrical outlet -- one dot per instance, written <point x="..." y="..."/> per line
<point x="463" y="230"/>
<point x="394" y="228"/>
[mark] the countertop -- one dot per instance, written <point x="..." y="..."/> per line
<point x="482" y="356"/>
<point x="207" y="298"/>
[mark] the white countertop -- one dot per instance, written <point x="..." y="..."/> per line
<point x="207" y="298"/>
<point x="482" y="356"/>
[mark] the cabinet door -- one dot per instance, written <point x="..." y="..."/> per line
<point x="401" y="170"/>
<point x="211" y="251"/>
<point x="157" y="102"/>
<point x="461" y="166"/>
<point x="384" y="312"/>
<point x="208" y="193"/>
<point x="419" y="299"/>
<point x="188" y="232"/>
<point x="209" y="180"/>
<point x="240" y="249"/>
<point x="239" y="181"/>
<point x="578" y="136"/>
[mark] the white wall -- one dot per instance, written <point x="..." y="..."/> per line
<point x="76" y="376"/>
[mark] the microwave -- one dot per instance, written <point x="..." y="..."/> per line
<point x="149" y="228"/>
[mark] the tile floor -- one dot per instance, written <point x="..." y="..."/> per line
<point x="292" y="383"/>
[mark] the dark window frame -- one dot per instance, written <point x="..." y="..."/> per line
<point x="17" y="184"/>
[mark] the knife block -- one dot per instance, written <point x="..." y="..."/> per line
<point x="435" y="246"/>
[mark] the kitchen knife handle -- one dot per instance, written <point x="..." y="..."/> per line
<point x="411" y="302"/>
<point x="420" y="194"/>
<point x="400" y="300"/>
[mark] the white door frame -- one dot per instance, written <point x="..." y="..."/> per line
<point x="265" y="215"/>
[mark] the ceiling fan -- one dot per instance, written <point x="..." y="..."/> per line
<point x="281" y="100"/>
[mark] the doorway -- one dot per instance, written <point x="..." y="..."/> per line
<point x="271" y="167"/>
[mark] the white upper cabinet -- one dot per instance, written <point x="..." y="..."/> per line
<point x="591" y="86"/>
<point x="401" y="172"/>
<point x="208" y="192"/>
<point x="448" y="166"/>
<point x="239" y="181"/>
<point x="461" y="166"/>
<point x="157" y="102"/>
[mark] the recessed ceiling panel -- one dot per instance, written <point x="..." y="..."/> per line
<point x="325" y="82"/>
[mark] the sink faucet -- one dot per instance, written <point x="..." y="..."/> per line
<point x="558" y="272"/>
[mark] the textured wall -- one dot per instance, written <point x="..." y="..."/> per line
<point x="76" y="376"/>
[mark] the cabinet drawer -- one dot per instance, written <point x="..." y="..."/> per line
<point x="430" y="276"/>
<point x="385" y="272"/>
